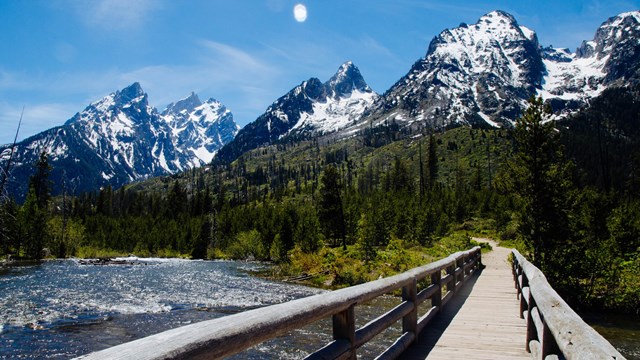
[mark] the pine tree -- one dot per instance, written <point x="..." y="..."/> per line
<point x="366" y="237"/>
<point x="539" y="177"/>
<point x="9" y="237"/>
<point x="422" y="185"/>
<point x="200" y="244"/>
<point x="330" y="211"/>
<point x="432" y="162"/>
<point x="40" y="181"/>
<point x="33" y="224"/>
<point x="33" y="214"/>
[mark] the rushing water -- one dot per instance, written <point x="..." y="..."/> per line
<point x="62" y="309"/>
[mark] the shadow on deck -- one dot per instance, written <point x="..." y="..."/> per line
<point x="432" y="333"/>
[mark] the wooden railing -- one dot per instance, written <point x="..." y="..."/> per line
<point x="231" y="334"/>
<point x="554" y="330"/>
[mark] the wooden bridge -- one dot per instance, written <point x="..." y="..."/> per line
<point x="462" y="307"/>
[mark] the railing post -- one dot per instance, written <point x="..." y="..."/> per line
<point x="465" y="271"/>
<point x="451" y="270"/>
<point x="436" y="279"/>
<point x="525" y="304"/>
<point x="531" y="326"/>
<point x="410" y="321"/>
<point x="516" y="274"/>
<point x="344" y="328"/>
<point x="548" y="344"/>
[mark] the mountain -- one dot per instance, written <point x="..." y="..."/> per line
<point x="482" y="74"/>
<point x="478" y="74"/>
<point x="121" y="138"/>
<point x="612" y="58"/>
<point x="200" y="128"/>
<point x="310" y="109"/>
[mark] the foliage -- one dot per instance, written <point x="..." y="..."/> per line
<point x="65" y="238"/>
<point x="247" y="246"/>
<point x="539" y="178"/>
<point x="330" y="210"/>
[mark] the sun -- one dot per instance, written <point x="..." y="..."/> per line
<point x="300" y="12"/>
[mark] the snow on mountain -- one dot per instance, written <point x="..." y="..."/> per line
<point x="331" y="116"/>
<point x="347" y="96"/>
<point x="200" y="128"/>
<point x="612" y="56"/>
<point x="121" y="138"/>
<point x="470" y="74"/>
<point x="310" y="109"/>
<point x="482" y="74"/>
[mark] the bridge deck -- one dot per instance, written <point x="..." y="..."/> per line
<point x="481" y="322"/>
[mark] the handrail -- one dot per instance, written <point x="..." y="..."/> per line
<point x="554" y="330"/>
<point x="225" y="336"/>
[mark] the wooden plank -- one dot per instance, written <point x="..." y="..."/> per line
<point x="481" y="322"/>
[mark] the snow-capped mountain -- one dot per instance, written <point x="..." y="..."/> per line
<point x="121" y="138"/>
<point x="347" y="96"/>
<point x="611" y="58"/>
<point x="482" y="74"/>
<point x="200" y="128"/>
<point x="473" y="74"/>
<point x="310" y="109"/>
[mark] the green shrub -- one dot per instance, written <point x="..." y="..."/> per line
<point x="247" y="246"/>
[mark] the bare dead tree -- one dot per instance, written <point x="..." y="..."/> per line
<point x="6" y="170"/>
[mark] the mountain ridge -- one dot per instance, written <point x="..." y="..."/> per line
<point x="482" y="74"/>
<point x="120" y="138"/>
<point x="310" y="109"/>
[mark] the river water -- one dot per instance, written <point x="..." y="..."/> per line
<point x="62" y="309"/>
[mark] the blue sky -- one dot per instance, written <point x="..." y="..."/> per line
<point x="57" y="56"/>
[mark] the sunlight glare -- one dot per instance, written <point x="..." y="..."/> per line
<point x="300" y="12"/>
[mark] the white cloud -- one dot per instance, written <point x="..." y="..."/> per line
<point x="233" y="60"/>
<point x="13" y="81"/>
<point x="36" y="118"/>
<point x="115" y="14"/>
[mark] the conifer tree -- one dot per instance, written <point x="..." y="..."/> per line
<point x="432" y="162"/>
<point x="33" y="224"/>
<point x="330" y="211"/>
<point x="40" y="182"/>
<point x="539" y="177"/>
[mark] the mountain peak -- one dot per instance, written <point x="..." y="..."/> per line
<point x="346" y="66"/>
<point x="347" y="79"/>
<point x="185" y="105"/>
<point x="212" y="101"/>
<point x="616" y="36"/>
<point x="129" y="93"/>
<point x="627" y="16"/>
<point x="498" y="16"/>
<point x="504" y="26"/>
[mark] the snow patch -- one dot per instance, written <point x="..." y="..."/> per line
<point x="488" y="120"/>
<point x="335" y="114"/>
